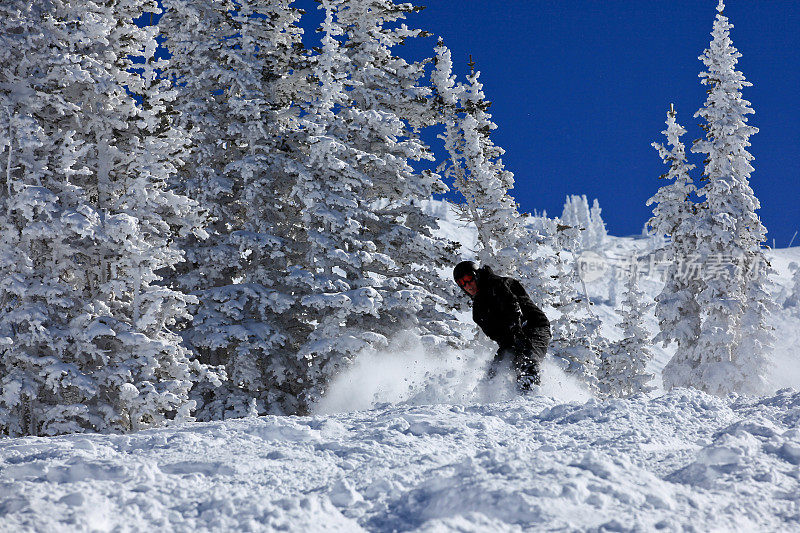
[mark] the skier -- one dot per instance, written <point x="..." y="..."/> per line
<point x="505" y="313"/>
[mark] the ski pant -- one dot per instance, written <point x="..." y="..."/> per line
<point x="527" y="360"/>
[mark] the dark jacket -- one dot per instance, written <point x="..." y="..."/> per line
<point x="503" y="309"/>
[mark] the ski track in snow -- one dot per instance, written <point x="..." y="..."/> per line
<point x="412" y="442"/>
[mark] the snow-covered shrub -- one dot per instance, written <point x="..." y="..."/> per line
<point x="577" y="342"/>
<point x="622" y="371"/>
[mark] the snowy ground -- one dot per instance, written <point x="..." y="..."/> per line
<point x="683" y="461"/>
<point x="414" y="442"/>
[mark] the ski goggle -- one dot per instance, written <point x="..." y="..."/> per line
<point x="467" y="278"/>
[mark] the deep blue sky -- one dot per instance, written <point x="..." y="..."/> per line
<point x="581" y="88"/>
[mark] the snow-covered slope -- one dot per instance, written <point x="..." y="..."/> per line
<point x="412" y="442"/>
<point x="683" y="461"/>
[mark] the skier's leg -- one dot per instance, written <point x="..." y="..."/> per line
<point x="528" y="365"/>
<point x="540" y="341"/>
<point x="528" y="373"/>
<point x="497" y="362"/>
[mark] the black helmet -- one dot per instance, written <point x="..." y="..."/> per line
<point x="464" y="267"/>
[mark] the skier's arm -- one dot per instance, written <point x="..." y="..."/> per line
<point x="534" y="316"/>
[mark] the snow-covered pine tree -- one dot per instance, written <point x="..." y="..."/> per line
<point x="371" y="256"/>
<point x="734" y="340"/>
<point x="506" y="242"/>
<point x="45" y="229"/>
<point x="389" y="104"/>
<point x="622" y="371"/>
<point x="86" y="224"/>
<point x="677" y="310"/>
<point x="484" y="182"/>
<point x="196" y="34"/>
<point x="576" y="212"/>
<point x="597" y="228"/>
<point x="237" y="69"/>
<point x="754" y="352"/>
<point x="447" y="91"/>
